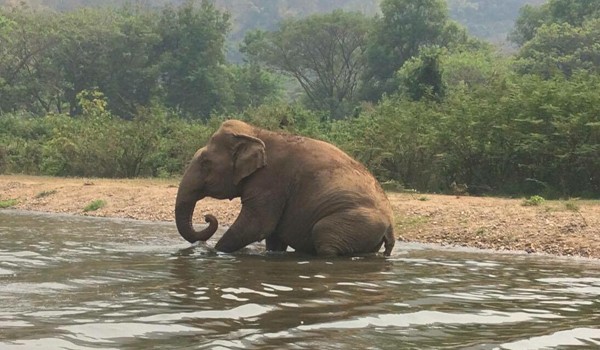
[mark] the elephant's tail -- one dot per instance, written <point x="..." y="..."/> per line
<point x="389" y="240"/>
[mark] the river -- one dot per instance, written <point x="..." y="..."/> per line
<point x="69" y="282"/>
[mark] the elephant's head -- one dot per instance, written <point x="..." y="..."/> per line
<point x="217" y="170"/>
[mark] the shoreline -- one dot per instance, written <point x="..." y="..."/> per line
<point x="559" y="228"/>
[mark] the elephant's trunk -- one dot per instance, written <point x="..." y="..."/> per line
<point x="184" y="210"/>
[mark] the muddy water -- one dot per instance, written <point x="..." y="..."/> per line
<point x="88" y="283"/>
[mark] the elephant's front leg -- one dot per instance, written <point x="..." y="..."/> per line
<point x="275" y="244"/>
<point x="254" y="224"/>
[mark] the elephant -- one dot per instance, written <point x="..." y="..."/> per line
<point x="295" y="192"/>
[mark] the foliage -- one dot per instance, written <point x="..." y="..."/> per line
<point x="514" y="135"/>
<point x="7" y="203"/>
<point x="421" y="76"/>
<point x="529" y="20"/>
<point x="533" y="201"/>
<point x="324" y="53"/>
<point x="95" y="205"/>
<point x="472" y="68"/>
<point x="254" y="86"/>
<point x="572" y="206"/>
<point x="192" y="58"/>
<point x="135" y="56"/>
<point x="398" y="35"/>
<point x="572" y="12"/>
<point x="25" y="37"/>
<point x="135" y="91"/>
<point x="153" y="143"/>
<point x="489" y="19"/>
<point x="562" y="49"/>
<point x="292" y="118"/>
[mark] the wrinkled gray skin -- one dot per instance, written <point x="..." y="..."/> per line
<point x="295" y="191"/>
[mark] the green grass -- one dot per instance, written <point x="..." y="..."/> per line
<point x="571" y="206"/>
<point x="533" y="201"/>
<point x="410" y="222"/>
<point x="95" y="205"/>
<point x="7" y="203"/>
<point x="482" y="231"/>
<point x="45" y="193"/>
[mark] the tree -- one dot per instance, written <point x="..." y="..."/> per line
<point x="253" y="86"/>
<point x="421" y="76"/>
<point x="473" y="69"/>
<point x="90" y="57"/>
<point x="573" y="12"/>
<point x="529" y="20"/>
<point x="405" y="27"/>
<point x="562" y="49"/>
<point x="324" y="53"/>
<point x="132" y="79"/>
<point x="27" y="79"/>
<point x="193" y="76"/>
<point x="488" y="19"/>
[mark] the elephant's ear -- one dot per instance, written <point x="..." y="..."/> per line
<point x="249" y="156"/>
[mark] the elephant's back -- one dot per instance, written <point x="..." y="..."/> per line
<point x="319" y="170"/>
<point x="330" y="180"/>
<point x="313" y="155"/>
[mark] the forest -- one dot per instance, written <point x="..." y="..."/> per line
<point x="133" y="90"/>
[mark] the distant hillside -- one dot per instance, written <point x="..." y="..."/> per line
<point x="266" y="14"/>
<point x="487" y="19"/>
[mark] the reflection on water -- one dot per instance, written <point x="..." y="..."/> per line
<point x="88" y="283"/>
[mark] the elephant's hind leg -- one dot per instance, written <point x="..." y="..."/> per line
<point x="389" y="240"/>
<point x="349" y="232"/>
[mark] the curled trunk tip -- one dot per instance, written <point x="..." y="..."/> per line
<point x="183" y="219"/>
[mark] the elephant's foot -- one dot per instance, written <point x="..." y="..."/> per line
<point x="274" y="244"/>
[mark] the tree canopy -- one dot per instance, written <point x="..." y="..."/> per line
<point x="324" y="53"/>
<point x="412" y="94"/>
<point x="572" y="12"/>
<point x="562" y="49"/>
<point x="133" y="55"/>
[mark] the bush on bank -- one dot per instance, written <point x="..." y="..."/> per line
<point x="516" y="135"/>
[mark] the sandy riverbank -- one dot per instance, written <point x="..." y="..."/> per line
<point x="554" y="227"/>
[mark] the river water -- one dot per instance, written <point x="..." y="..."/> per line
<point x="71" y="282"/>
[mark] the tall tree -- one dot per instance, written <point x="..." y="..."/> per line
<point x="324" y="53"/>
<point x="132" y="79"/>
<point x="405" y="27"/>
<point x="573" y="12"/>
<point x="193" y="75"/>
<point x="83" y="56"/>
<point x="27" y="78"/>
<point x="421" y="76"/>
<point x="562" y="49"/>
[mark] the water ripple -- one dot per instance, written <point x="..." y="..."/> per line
<point x="571" y="337"/>
<point x="89" y="283"/>
<point x="421" y="318"/>
<point x="240" y="312"/>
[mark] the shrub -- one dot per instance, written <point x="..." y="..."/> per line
<point x="95" y="205"/>
<point x="533" y="201"/>
<point x="45" y="193"/>
<point x="7" y="203"/>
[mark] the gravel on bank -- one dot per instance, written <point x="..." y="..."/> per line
<point x="569" y="228"/>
